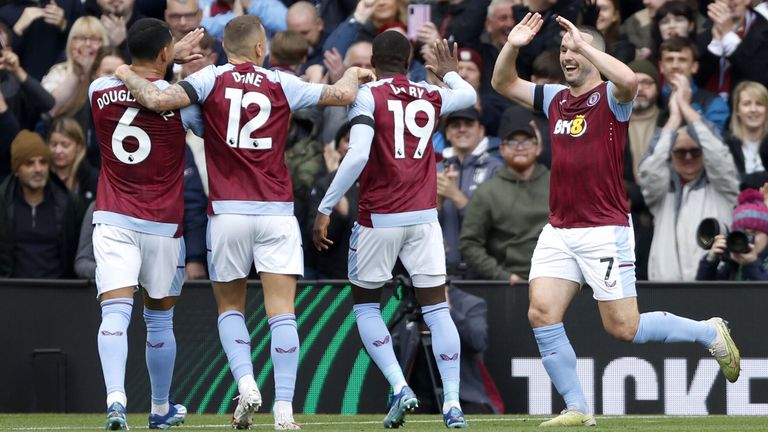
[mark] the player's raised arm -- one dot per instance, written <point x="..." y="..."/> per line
<point x="345" y="89"/>
<point x="505" y="78"/>
<point x="147" y="94"/>
<point x="445" y="65"/>
<point x="624" y="80"/>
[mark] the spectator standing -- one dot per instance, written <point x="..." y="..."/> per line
<point x="642" y="128"/>
<point x="466" y="165"/>
<point x="678" y="57"/>
<point x="738" y="49"/>
<point x="701" y="182"/>
<point x="506" y="214"/>
<point x="39" y="31"/>
<point x="25" y="97"/>
<point x="42" y="218"/>
<point x="183" y="16"/>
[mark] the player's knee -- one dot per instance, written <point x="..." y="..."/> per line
<point x="538" y="317"/>
<point x="624" y="332"/>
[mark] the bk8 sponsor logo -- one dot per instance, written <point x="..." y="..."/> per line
<point x="574" y="128"/>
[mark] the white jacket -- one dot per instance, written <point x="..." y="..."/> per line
<point x="678" y="209"/>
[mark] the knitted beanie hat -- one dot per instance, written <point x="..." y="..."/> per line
<point x="25" y="146"/>
<point x="751" y="213"/>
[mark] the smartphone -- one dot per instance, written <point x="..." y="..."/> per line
<point x="418" y="15"/>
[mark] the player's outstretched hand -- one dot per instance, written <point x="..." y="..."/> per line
<point x="182" y="51"/>
<point x="522" y="34"/>
<point x="444" y="60"/>
<point x="572" y="39"/>
<point x="320" y="232"/>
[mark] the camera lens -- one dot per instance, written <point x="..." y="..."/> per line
<point x="707" y="230"/>
<point x="738" y="242"/>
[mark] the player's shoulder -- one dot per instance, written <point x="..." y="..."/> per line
<point x="104" y="83"/>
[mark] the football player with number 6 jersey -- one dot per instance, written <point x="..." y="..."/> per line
<point x="390" y="150"/>
<point x="138" y="217"/>
<point x="246" y="111"/>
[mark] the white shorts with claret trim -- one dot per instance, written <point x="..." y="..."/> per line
<point x="272" y="243"/>
<point x="603" y="257"/>
<point x="373" y="252"/>
<point x="127" y="258"/>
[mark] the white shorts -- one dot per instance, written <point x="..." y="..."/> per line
<point x="126" y="258"/>
<point x="373" y="252"/>
<point x="603" y="257"/>
<point x="272" y="243"/>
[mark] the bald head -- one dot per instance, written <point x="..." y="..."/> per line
<point x="245" y="38"/>
<point x="303" y="18"/>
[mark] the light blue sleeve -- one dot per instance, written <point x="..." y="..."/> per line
<point x="550" y="90"/>
<point x="192" y="119"/>
<point x="272" y="14"/>
<point x="363" y="104"/>
<point x="300" y="94"/>
<point x="203" y="80"/>
<point x="360" y="139"/>
<point x="215" y="24"/>
<point x="622" y="111"/>
<point x="459" y="95"/>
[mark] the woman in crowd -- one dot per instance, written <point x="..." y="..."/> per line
<point x="68" y="81"/>
<point x="673" y="18"/>
<point x="67" y="143"/>
<point x="748" y="128"/>
<point x="607" y="20"/>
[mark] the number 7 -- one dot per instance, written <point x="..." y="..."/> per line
<point x="610" y="266"/>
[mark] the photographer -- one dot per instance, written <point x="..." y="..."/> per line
<point x="750" y="221"/>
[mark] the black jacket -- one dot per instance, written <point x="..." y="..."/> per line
<point x="69" y="213"/>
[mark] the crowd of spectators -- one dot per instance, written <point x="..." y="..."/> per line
<point x="697" y="135"/>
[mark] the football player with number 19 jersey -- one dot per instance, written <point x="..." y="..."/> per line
<point x="390" y="149"/>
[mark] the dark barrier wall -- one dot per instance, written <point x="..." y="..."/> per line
<point x="50" y="361"/>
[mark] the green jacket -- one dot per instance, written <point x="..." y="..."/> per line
<point x="502" y="223"/>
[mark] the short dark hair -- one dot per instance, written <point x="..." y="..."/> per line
<point x="147" y="37"/>
<point x="598" y="41"/>
<point x="678" y="44"/>
<point x="391" y="51"/>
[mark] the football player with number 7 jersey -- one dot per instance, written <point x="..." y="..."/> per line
<point x="246" y="111"/>
<point x="390" y="149"/>
<point x="138" y="217"/>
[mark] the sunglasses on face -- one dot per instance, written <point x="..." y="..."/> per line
<point x="683" y="153"/>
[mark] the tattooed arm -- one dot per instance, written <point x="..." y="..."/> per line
<point x="345" y="89"/>
<point x="149" y="95"/>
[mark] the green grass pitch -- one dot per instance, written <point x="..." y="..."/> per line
<point x="263" y="422"/>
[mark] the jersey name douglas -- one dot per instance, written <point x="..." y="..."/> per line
<point x="246" y="110"/>
<point x="588" y="135"/>
<point x="141" y="183"/>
